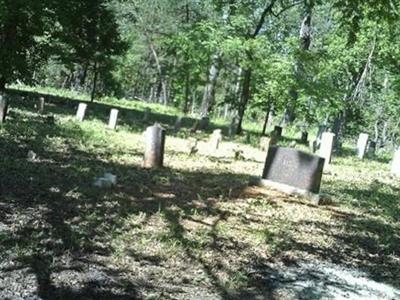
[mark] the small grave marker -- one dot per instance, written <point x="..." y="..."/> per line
<point x="3" y="108"/>
<point x="326" y="148"/>
<point x="216" y="139"/>
<point x="80" y="114"/>
<point x="395" y="166"/>
<point x="40" y="105"/>
<point x="362" y="145"/>
<point x="154" y="147"/>
<point x="146" y="115"/>
<point x="112" y="123"/>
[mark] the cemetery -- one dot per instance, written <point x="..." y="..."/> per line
<point x="160" y="210"/>
<point x="199" y="150"/>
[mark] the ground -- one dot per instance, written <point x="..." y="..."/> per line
<point x="191" y="230"/>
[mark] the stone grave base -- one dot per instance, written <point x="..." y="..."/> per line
<point x="315" y="199"/>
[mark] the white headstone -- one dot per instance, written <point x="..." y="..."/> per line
<point x="112" y="123"/>
<point x="362" y="145"/>
<point x="395" y="167"/>
<point x="80" y="114"/>
<point x="216" y="139"/>
<point x="326" y="148"/>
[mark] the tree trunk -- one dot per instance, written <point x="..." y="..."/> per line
<point x="244" y="99"/>
<point x="264" y="130"/>
<point x="209" y="91"/>
<point x="93" y="93"/>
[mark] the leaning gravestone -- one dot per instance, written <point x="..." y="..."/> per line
<point x="80" y="114"/>
<point x="216" y="139"/>
<point x="112" y="122"/>
<point x="326" y="147"/>
<point x="395" y="167"/>
<point x="293" y="172"/>
<point x="40" y="105"/>
<point x="362" y="145"/>
<point x="3" y="108"/>
<point x="154" y="147"/>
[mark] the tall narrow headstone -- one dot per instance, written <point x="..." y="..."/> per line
<point x="216" y="139"/>
<point x="80" y="114"/>
<point x="326" y="148"/>
<point x="395" y="166"/>
<point x="40" y="105"/>
<point x="362" y="145"/>
<point x="3" y="108"/>
<point x="154" y="147"/>
<point x="278" y="131"/>
<point x="112" y="123"/>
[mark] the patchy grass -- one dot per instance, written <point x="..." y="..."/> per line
<point x="191" y="229"/>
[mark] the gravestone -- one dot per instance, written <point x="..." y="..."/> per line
<point x="146" y="115"/>
<point x="293" y="171"/>
<point x="112" y="122"/>
<point x="192" y="146"/>
<point x="216" y="139"/>
<point x="203" y="124"/>
<point x="80" y="114"/>
<point x="313" y="146"/>
<point x="395" y="166"/>
<point x="178" y="124"/>
<point x="3" y="108"/>
<point x="326" y="147"/>
<point x="40" y="105"/>
<point x="278" y="132"/>
<point x="154" y="147"/>
<point x="362" y="145"/>
<point x="304" y="137"/>
<point x="264" y="143"/>
<point x="371" y="148"/>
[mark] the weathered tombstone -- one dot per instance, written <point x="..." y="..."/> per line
<point x="371" y="149"/>
<point x="264" y="143"/>
<point x="248" y="138"/>
<point x="112" y="122"/>
<point x="278" y="131"/>
<point x="304" y="137"/>
<point x="216" y="139"/>
<point x="178" y="124"/>
<point x="154" y="146"/>
<point x="395" y="166"/>
<point x="3" y="108"/>
<point x="326" y="148"/>
<point x="293" y="172"/>
<point x="203" y="124"/>
<point x="40" y="107"/>
<point x="80" y="114"/>
<point x="362" y="145"/>
<point x="146" y="115"/>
